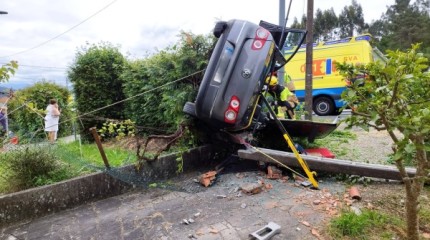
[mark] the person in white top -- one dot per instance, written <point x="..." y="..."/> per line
<point x="52" y="120"/>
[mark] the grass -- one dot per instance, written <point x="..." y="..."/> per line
<point x="334" y="141"/>
<point x="367" y="225"/>
<point x="88" y="156"/>
<point x="73" y="159"/>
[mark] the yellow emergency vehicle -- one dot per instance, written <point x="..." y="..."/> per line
<point x="328" y="84"/>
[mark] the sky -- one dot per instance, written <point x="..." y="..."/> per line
<point x="44" y="35"/>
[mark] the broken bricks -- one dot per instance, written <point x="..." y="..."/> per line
<point x="274" y="172"/>
<point x="206" y="179"/>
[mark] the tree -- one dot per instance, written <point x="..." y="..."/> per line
<point x="325" y="25"/>
<point x="168" y="79"/>
<point x="7" y="70"/>
<point x="351" y="20"/>
<point x="30" y="104"/>
<point x="403" y="24"/>
<point x="97" y="85"/>
<point x="395" y="98"/>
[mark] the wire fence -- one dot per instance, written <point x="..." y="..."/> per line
<point x="81" y="158"/>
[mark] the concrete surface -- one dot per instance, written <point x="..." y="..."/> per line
<point x="221" y="211"/>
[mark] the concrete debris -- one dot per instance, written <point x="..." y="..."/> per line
<point x="190" y="220"/>
<point x="306" y="183"/>
<point x="252" y="188"/>
<point x="185" y="221"/>
<point x="356" y="210"/>
<point x="197" y="214"/>
<point x="266" y="232"/>
<point x="243" y="205"/>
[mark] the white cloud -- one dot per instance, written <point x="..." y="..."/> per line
<point x="137" y="26"/>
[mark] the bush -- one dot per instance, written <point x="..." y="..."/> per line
<point x="27" y="110"/>
<point x="32" y="166"/>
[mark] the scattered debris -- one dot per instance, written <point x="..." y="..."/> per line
<point x="298" y="178"/>
<point x="274" y="172"/>
<point x="266" y="232"/>
<point x="207" y="179"/>
<point x="240" y="175"/>
<point x="306" y="183"/>
<point x="268" y="186"/>
<point x="356" y="210"/>
<point x="252" y="188"/>
<point x="197" y="214"/>
<point x="191" y="236"/>
<point x="354" y="193"/>
<point x="243" y="205"/>
<point x="298" y="229"/>
<point x="221" y="196"/>
<point x="305" y="223"/>
<point x="190" y="220"/>
<point x="316" y="233"/>
<point x="185" y="221"/>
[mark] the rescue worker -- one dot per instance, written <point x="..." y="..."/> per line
<point x="284" y="100"/>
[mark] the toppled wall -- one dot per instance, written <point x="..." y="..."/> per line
<point x="40" y="201"/>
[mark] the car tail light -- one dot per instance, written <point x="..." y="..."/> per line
<point x="230" y="114"/>
<point x="260" y="39"/>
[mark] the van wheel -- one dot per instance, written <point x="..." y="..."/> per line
<point x="190" y="109"/>
<point x="323" y="106"/>
<point x="338" y="111"/>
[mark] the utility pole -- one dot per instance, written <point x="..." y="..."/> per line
<point x="309" y="50"/>
<point x="281" y="23"/>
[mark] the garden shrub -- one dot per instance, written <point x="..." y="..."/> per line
<point x="32" y="166"/>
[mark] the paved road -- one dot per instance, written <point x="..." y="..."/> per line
<point x="218" y="212"/>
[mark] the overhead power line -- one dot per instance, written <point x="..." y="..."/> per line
<point x="21" y="65"/>
<point x="61" y="34"/>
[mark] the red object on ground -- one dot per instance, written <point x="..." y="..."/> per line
<point x="320" y="152"/>
<point x="14" y="140"/>
<point x="354" y="193"/>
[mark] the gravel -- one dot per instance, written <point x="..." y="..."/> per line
<point x="370" y="147"/>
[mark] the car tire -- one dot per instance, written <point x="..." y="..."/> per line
<point x="323" y="106"/>
<point x="219" y="28"/>
<point x="190" y="109"/>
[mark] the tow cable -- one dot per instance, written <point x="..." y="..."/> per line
<point x="310" y="174"/>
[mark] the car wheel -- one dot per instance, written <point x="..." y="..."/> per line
<point x="190" y="109"/>
<point x="219" y="28"/>
<point x="323" y="106"/>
